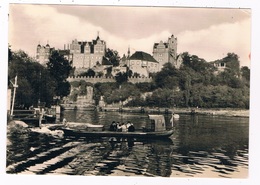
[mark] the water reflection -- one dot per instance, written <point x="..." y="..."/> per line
<point x="202" y="146"/>
<point x="211" y="142"/>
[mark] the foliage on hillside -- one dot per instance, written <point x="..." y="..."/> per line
<point x="36" y="82"/>
<point x="195" y="84"/>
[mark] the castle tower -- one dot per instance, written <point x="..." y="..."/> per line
<point x="172" y="44"/>
<point x="43" y="53"/>
<point x="38" y="49"/>
<point x="165" y="52"/>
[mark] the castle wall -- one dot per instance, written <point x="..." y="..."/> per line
<point x="95" y="80"/>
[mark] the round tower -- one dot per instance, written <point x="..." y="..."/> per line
<point x="47" y="48"/>
<point x="38" y="48"/>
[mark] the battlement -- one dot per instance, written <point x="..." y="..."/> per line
<point x="97" y="79"/>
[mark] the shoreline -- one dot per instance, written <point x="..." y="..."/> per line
<point x="217" y="112"/>
<point x="231" y="112"/>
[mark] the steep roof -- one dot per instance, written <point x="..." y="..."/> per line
<point x="106" y="62"/>
<point x="139" y="55"/>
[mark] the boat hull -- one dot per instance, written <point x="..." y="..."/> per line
<point x="50" y="118"/>
<point x="137" y="134"/>
<point x="68" y="106"/>
<point x="34" y="122"/>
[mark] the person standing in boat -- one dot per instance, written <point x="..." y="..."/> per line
<point x="64" y="121"/>
<point x="171" y="120"/>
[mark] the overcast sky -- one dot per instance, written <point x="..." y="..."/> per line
<point x="209" y="33"/>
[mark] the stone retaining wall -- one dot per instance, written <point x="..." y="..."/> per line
<point x="94" y="80"/>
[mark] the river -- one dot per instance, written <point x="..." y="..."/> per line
<point x="201" y="146"/>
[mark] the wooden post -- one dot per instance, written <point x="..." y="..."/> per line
<point x="15" y="86"/>
<point x="40" y="117"/>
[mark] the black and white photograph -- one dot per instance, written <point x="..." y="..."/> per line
<point x="98" y="90"/>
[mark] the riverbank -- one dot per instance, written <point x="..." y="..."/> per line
<point x="213" y="112"/>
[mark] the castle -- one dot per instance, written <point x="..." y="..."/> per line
<point x="143" y="63"/>
<point x="85" y="55"/>
<point x="165" y="52"/>
<point x="43" y="53"/>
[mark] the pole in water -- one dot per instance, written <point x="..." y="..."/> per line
<point x="40" y="118"/>
<point x="15" y="86"/>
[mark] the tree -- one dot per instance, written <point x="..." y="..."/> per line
<point x="245" y="72"/>
<point x="121" y="77"/>
<point x="34" y="81"/>
<point x="232" y="64"/>
<point x="145" y="86"/>
<point x="88" y="73"/>
<point x="167" y="77"/>
<point x="59" y="69"/>
<point x="108" y="72"/>
<point x="129" y="72"/>
<point x="112" y="56"/>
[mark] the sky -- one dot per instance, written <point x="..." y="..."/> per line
<point x="209" y="33"/>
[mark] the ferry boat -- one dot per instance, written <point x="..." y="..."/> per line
<point x="69" y="106"/>
<point x="156" y="128"/>
<point x="50" y="115"/>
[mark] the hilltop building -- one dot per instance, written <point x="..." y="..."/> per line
<point x="87" y="54"/>
<point x="143" y="64"/>
<point x="165" y="52"/>
<point x="43" y="53"/>
<point x="220" y="66"/>
<point x="91" y="54"/>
